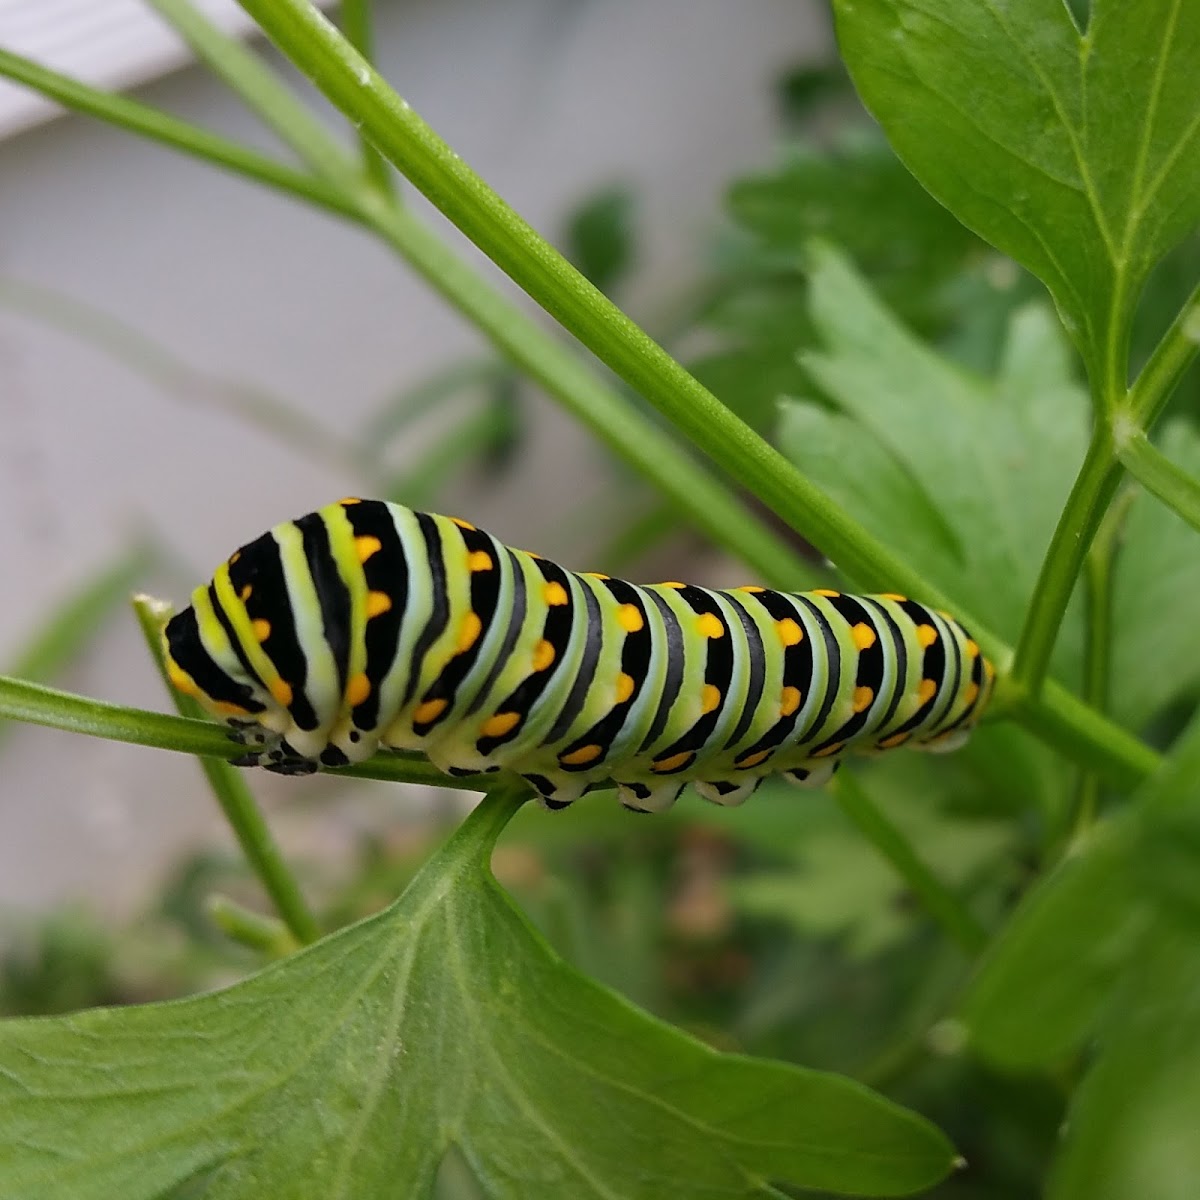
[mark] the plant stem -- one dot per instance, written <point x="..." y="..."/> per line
<point x="235" y="798"/>
<point x="160" y="127"/>
<point x="1160" y="476"/>
<point x="350" y="83"/>
<point x="1165" y="367"/>
<point x="36" y="704"/>
<point x="943" y="905"/>
<point x="265" y="935"/>
<point x="1089" y="499"/>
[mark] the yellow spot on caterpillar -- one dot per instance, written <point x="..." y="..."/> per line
<point x="825" y="592"/>
<point x="468" y="635"/>
<point x="629" y="617"/>
<point x="941" y="612"/>
<point x="862" y="698"/>
<point x="988" y="668"/>
<point x="829" y="751"/>
<point x="229" y="709"/>
<point x="789" y="631"/>
<point x="897" y="739"/>
<point x="752" y="760"/>
<point x="710" y="698"/>
<point x="892" y="596"/>
<point x="673" y="583"/>
<point x="789" y="701"/>
<point x="624" y="687"/>
<point x="926" y="636"/>
<point x="358" y="688"/>
<point x="596" y="575"/>
<point x="365" y="546"/>
<point x="750" y="587"/>
<point x="972" y="648"/>
<point x="428" y="711"/>
<point x="864" y="636"/>
<point x="543" y="655"/>
<point x="673" y="763"/>
<point x="234" y="557"/>
<point x="377" y="604"/>
<point x="347" y="500"/>
<point x="927" y="691"/>
<point x="972" y="691"/>
<point x="479" y="560"/>
<point x="261" y="628"/>
<point x="246" y="592"/>
<point x="582" y="756"/>
<point x="281" y="690"/>
<point x="555" y="594"/>
<point x="500" y="724"/>
<point x="710" y="626"/>
<point x="461" y="523"/>
<point x="181" y="681"/>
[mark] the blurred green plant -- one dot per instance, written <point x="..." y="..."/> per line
<point x="1001" y="941"/>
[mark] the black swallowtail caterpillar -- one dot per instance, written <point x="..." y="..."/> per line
<point x="368" y="625"/>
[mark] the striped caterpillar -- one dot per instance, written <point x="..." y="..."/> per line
<point x="366" y="625"/>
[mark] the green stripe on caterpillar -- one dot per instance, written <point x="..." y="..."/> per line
<point x="368" y="625"/>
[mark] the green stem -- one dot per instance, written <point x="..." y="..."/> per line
<point x="265" y="935"/>
<point x="36" y="704"/>
<point x="356" y="25"/>
<point x="1161" y="477"/>
<point x="350" y="83"/>
<point x="1166" y="366"/>
<point x="160" y="127"/>
<point x="943" y="905"/>
<point x="1089" y="499"/>
<point x="235" y="798"/>
<point x="699" y="496"/>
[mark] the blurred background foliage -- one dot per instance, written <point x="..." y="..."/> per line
<point x="776" y="929"/>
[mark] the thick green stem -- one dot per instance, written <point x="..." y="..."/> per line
<point x="318" y="50"/>
<point x="1162" y="478"/>
<point x="943" y="905"/>
<point x="235" y="798"/>
<point x="1089" y="499"/>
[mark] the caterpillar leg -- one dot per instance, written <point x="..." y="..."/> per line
<point x="727" y="793"/>
<point x="555" y="794"/>
<point x="648" y="798"/>
<point x="818" y="774"/>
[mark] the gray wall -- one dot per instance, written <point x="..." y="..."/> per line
<point x="547" y="99"/>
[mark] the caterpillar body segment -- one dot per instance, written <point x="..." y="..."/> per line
<point x="366" y="625"/>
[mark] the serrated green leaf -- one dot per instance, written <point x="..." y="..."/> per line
<point x="989" y="462"/>
<point x="1042" y="986"/>
<point x="350" y="1068"/>
<point x="1075" y="153"/>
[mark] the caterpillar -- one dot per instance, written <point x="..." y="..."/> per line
<point x="366" y="625"/>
